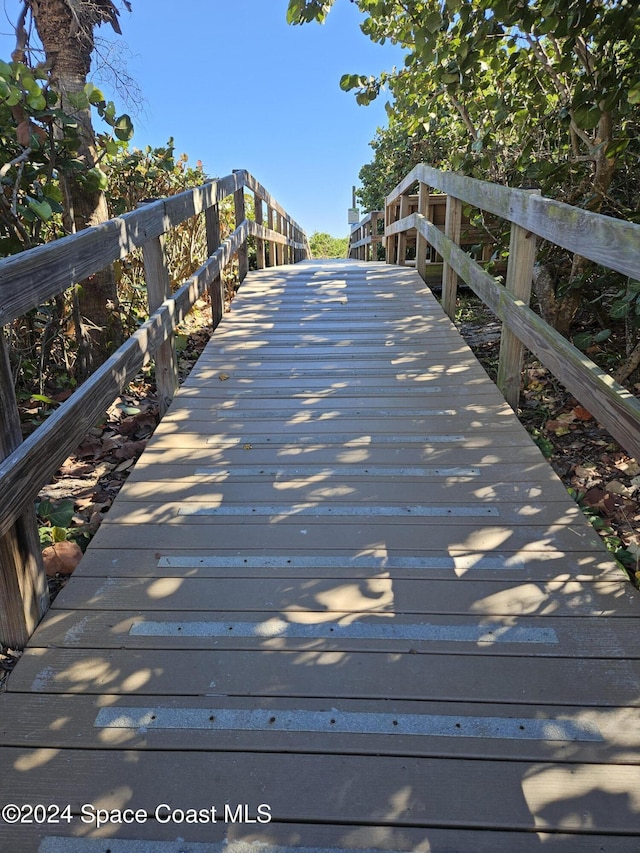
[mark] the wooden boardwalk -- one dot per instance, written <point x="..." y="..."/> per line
<point x="342" y="590"/>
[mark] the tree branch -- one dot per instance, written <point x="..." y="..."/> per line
<point x="464" y="114"/>
<point x="16" y="160"/>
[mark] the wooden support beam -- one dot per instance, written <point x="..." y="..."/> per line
<point x="390" y="239"/>
<point x="401" y="245"/>
<point x="259" y="242"/>
<point x="240" y="214"/>
<point x="522" y="256"/>
<point x="156" y="271"/>
<point x="421" y="243"/>
<point x="271" y="244"/>
<point x="216" y="288"/>
<point x="452" y="228"/>
<point x="23" y="582"/>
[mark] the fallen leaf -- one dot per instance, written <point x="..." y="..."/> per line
<point x="583" y="471"/>
<point x="61" y="558"/>
<point x="223" y="377"/>
<point x="247" y="446"/>
<point x="618" y="488"/>
<point x="629" y="466"/>
<point x="123" y="466"/>
<point x="557" y="426"/>
<point x="582" y="414"/>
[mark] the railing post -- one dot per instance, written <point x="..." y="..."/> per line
<point x="389" y="240"/>
<point x="259" y="240"/>
<point x="285" y="247"/>
<point x="216" y="288"/>
<point x="522" y="256"/>
<point x="402" y="236"/>
<point x="452" y="229"/>
<point x="290" y="258"/>
<point x="279" y="246"/>
<point x="375" y="235"/>
<point x="272" y="248"/>
<point x="156" y="272"/>
<point x="240" y="213"/>
<point x="23" y="582"/>
<point x="421" y="240"/>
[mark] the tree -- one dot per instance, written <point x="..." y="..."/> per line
<point x="542" y="92"/>
<point x="323" y="245"/>
<point x="66" y="31"/>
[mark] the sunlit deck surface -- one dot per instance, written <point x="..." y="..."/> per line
<point x="341" y="588"/>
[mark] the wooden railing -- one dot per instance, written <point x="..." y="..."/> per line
<point x="613" y="243"/>
<point x="366" y="236"/>
<point x="29" y="279"/>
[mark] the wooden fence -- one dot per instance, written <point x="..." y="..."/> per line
<point x="29" y="279"/>
<point x="612" y="243"/>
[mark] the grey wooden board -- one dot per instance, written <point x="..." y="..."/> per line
<point x="526" y="565"/>
<point x="316" y="511"/>
<point x="305" y="838"/>
<point x="382" y="594"/>
<point x="427" y="437"/>
<point x="328" y="454"/>
<point x="74" y="721"/>
<point x="531" y="679"/>
<point x="353" y="538"/>
<point x="285" y="470"/>
<point x="211" y="364"/>
<point x="418" y="792"/>
<point x="337" y="491"/>
<point x="340" y="631"/>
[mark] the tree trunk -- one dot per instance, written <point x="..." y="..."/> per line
<point x="68" y="46"/>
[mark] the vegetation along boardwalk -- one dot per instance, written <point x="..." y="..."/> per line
<point x="342" y="603"/>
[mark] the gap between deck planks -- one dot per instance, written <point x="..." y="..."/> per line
<point x="343" y="582"/>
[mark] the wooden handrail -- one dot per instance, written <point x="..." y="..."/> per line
<point x="610" y="242"/>
<point x="28" y="279"/>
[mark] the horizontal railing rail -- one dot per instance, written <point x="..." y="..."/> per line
<point x="612" y="243"/>
<point x="29" y="279"/>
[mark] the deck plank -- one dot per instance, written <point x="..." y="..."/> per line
<point x="341" y="581"/>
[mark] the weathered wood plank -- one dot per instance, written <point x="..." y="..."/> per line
<point x="594" y="735"/>
<point x="423" y="514"/>
<point x="522" y="256"/>
<point x="584" y="798"/>
<point x="379" y="595"/>
<point x="545" y="636"/>
<point x="290" y="837"/>
<point x="529" y="680"/>
<point x="216" y="288"/>
<point x="158" y="283"/>
<point x="452" y="229"/>
<point x="524" y="565"/>
<point x="23" y="584"/>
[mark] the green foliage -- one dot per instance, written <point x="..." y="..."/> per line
<point x="54" y="521"/>
<point x="38" y="141"/>
<point x="136" y="175"/>
<point x="537" y="94"/>
<point x="323" y="245"/>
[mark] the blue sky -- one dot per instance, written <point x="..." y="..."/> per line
<point x="237" y="87"/>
